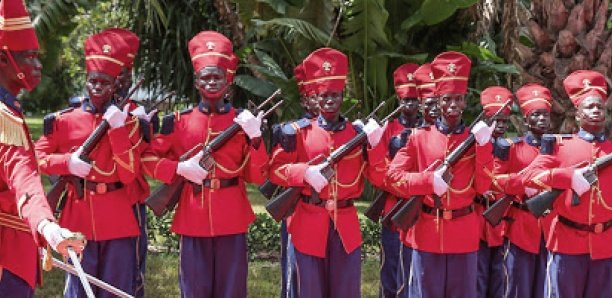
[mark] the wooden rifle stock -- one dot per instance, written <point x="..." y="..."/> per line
<point x="165" y="197"/>
<point x="377" y="206"/>
<point x="496" y="212"/>
<point x="58" y="188"/>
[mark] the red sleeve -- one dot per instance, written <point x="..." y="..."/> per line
<point x="285" y="170"/>
<point x="503" y="180"/>
<point x="402" y="180"/>
<point x="257" y="169"/>
<point x="484" y="167"/>
<point x="543" y="173"/>
<point x="127" y="144"/>
<point x="378" y="161"/>
<point x="51" y="163"/>
<point x="159" y="160"/>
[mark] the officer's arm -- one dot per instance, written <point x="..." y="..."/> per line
<point x="159" y="160"/>
<point x="127" y="144"/>
<point x="544" y="172"/>
<point x="503" y="180"/>
<point x="256" y="170"/>
<point x="401" y="177"/>
<point x="483" y="172"/>
<point x="50" y="160"/>
<point x="285" y="170"/>
<point x="378" y="161"/>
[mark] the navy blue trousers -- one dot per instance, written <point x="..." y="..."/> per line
<point x="337" y="275"/>
<point x="288" y="274"/>
<point x="443" y="275"/>
<point x="525" y="271"/>
<point x="405" y="272"/>
<point x="213" y="266"/>
<point x="576" y="276"/>
<point x="490" y="282"/>
<point x="112" y="261"/>
<point x="390" y="273"/>
<point x="142" y="243"/>
<point x="12" y="285"/>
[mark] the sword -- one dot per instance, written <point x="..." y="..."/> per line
<point x="80" y="272"/>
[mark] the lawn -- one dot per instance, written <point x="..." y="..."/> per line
<point x="161" y="278"/>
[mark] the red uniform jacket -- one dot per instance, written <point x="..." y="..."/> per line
<point x="22" y="199"/>
<point x="212" y="212"/>
<point x="116" y="158"/>
<point x="410" y="173"/>
<point x="493" y="236"/>
<point x="555" y="170"/>
<point x="302" y="141"/>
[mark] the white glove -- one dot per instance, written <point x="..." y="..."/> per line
<point x="530" y="192"/>
<point x="482" y="132"/>
<point x="249" y="123"/>
<point x="115" y="117"/>
<point x="579" y="184"/>
<point x="142" y="114"/>
<point x="358" y="123"/>
<point x="374" y="132"/>
<point x="59" y="238"/>
<point x="439" y="185"/>
<point x="191" y="169"/>
<point x="314" y="177"/>
<point x="77" y="166"/>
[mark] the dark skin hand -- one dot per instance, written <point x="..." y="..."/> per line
<point x="27" y="62"/>
<point x="538" y="122"/>
<point x="452" y="106"/>
<point x="212" y="84"/>
<point x="330" y="103"/>
<point x="101" y="87"/>
<point x="591" y="114"/>
<point x="410" y="110"/>
<point x="430" y="110"/>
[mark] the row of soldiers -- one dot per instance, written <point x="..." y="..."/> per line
<point x="448" y="249"/>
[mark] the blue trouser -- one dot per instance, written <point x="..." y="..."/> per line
<point x="288" y="275"/>
<point x="524" y="271"/>
<point x="111" y="261"/>
<point x="142" y="243"/>
<point x="336" y="275"/>
<point x="405" y="272"/>
<point x="490" y="282"/>
<point x="540" y="271"/>
<point x="12" y="285"/>
<point x="576" y="276"/>
<point x="390" y="274"/>
<point x="213" y="266"/>
<point x="443" y="275"/>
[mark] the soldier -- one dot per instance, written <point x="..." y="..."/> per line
<point x="324" y="227"/>
<point x="490" y="253"/>
<point x="523" y="248"/>
<point x="426" y="90"/>
<point x="104" y="213"/>
<point x="444" y="240"/>
<point x="25" y="215"/>
<point x="213" y="212"/>
<point x="580" y="258"/>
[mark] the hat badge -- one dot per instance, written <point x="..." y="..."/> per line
<point x="210" y="45"/>
<point x="452" y="68"/>
<point x="586" y="83"/>
<point x="326" y="66"/>
<point x="410" y="76"/>
<point x="431" y="76"/>
<point x="498" y="97"/>
<point x="535" y="93"/>
<point x="106" y="48"/>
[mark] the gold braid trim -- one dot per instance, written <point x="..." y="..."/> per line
<point x="104" y="173"/>
<point x="463" y="190"/>
<point x="11" y="129"/>
<point x="13" y="222"/>
<point x="357" y="179"/>
<point x="238" y="170"/>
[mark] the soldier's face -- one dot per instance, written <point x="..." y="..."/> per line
<point x="452" y="106"/>
<point x="330" y="102"/>
<point x="100" y="87"/>
<point x="430" y="109"/>
<point x="28" y="64"/>
<point x="538" y="121"/>
<point x="310" y="103"/>
<point x="592" y="114"/>
<point x="410" y="106"/>
<point x="124" y="81"/>
<point x="501" y="125"/>
<point x="211" y="82"/>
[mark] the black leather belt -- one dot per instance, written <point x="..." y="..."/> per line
<point x="593" y="228"/>
<point x="214" y="183"/>
<point x="519" y="205"/>
<point x="481" y="200"/>
<point x="327" y="204"/>
<point x="101" y="187"/>
<point x="449" y="214"/>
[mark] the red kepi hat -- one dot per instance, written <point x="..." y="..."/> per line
<point x="105" y="52"/>
<point x="132" y="40"/>
<point x="325" y="70"/>
<point x="451" y="70"/>
<point x="493" y="98"/>
<point x="581" y="84"/>
<point x="425" y="83"/>
<point x="211" y="48"/>
<point x="404" y="81"/>
<point x="533" y="97"/>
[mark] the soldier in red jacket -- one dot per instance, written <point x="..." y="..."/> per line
<point x="490" y="253"/>
<point x="25" y="215"/>
<point x="444" y="240"/>
<point x="428" y="98"/>
<point x="213" y="212"/>
<point x="580" y="259"/>
<point x="104" y="214"/>
<point x="524" y="251"/>
<point x="324" y="227"/>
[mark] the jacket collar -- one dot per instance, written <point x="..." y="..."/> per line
<point x="338" y="126"/>
<point x="532" y="140"/>
<point x="10" y="100"/>
<point x="204" y="107"/>
<point x="443" y="128"/>
<point x="589" y="137"/>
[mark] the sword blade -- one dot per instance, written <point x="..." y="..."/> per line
<point x="80" y="272"/>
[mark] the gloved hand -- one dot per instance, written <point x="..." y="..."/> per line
<point x="530" y="192"/>
<point x="482" y="132"/>
<point x="191" y="169"/>
<point x="374" y="132"/>
<point x="250" y="124"/>
<point x="358" y="123"/>
<point x="439" y="185"/>
<point x="115" y="117"/>
<point x="59" y="238"/>
<point x="77" y="166"/>
<point x="314" y="177"/>
<point x="579" y="184"/>
<point x="141" y="113"/>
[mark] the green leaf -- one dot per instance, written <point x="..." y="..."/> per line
<point x="254" y="85"/>
<point x="436" y="11"/>
<point x="499" y="68"/>
<point x="270" y="64"/>
<point x="464" y="3"/>
<point x="364" y="26"/>
<point x="292" y="29"/>
<point x="416" y="58"/>
<point x="415" y="19"/>
<point x="279" y="6"/>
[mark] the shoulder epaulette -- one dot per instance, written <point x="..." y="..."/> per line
<point x="501" y="148"/>
<point x="145" y="130"/>
<point x="550" y="140"/>
<point x="48" y="124"/>
<point x="399" y="141"/>
<point x="275" y="135"/>
<point x="289" y="131"/>
<point x="167" y="124"/>
<point x="12" y="131"/>
<point x="186" y="111"/>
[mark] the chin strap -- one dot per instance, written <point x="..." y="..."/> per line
<point x="20" y="74"/>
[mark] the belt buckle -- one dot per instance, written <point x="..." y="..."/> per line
<point x="101" y="188"/>
<point x="447" y="214"/>
<point x="598" y="228"/>
<point x="215" y="183"/>
<point x="330" y="205"/>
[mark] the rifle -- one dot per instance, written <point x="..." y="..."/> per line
<point x="542" y="202"/>
<point x="282" y="205"/>
<point x="165" y="197"/>
<point x="408" y="214"/>
<point x="151" y="107"/>
<point x="54" y="195"/>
